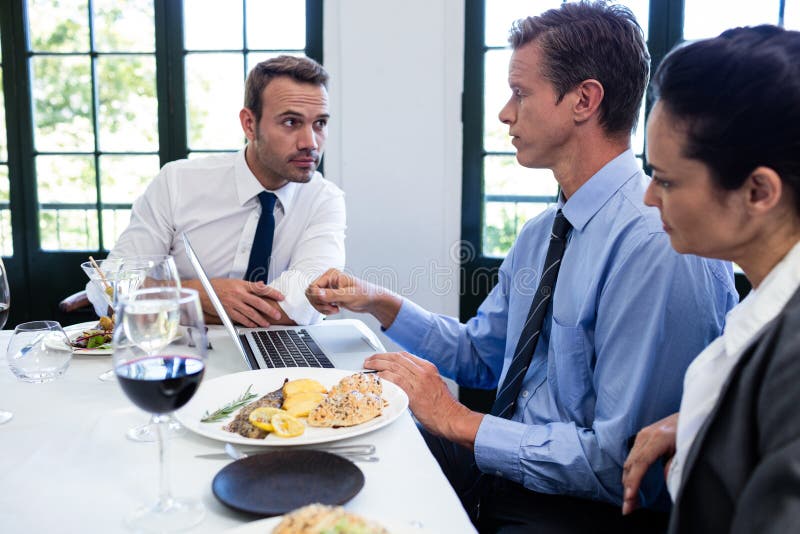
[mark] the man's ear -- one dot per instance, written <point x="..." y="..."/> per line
<point x="249" y="124"/>
<point x="589" y="95"/>
<point x="763" y="190"/>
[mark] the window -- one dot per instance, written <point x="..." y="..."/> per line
<point x="101" y="94"/>
<point x="498" y="194"/>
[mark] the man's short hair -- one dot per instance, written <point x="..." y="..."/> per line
<point x="298" y="68"/>
<point x="592" y="40"/>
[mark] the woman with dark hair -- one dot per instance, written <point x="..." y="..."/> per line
<point x="724" y="145"/>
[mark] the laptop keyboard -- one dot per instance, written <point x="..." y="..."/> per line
<point x="290" y="348"/>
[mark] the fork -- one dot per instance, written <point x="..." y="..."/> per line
<point x="356" y="453"/>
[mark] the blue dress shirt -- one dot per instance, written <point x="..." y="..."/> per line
<point x="628" y="316"/>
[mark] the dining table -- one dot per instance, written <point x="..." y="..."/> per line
<point x="67" y="466"/>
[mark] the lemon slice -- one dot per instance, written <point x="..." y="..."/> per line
<point x="261" y="417"/>
<point x="287" y="426"/>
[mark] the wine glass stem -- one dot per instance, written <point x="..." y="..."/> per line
<point x="161" y="423"/>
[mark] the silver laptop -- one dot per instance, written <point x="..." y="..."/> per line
<point x="343" y="346"/>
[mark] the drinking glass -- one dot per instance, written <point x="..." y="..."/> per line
<point x="39" y="351"/>
<point x="159" y="359"/>
<point x="116" y="277"/>
<point x="5" y="306"/>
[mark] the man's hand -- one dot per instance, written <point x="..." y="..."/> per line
<point x="652" y="442"/>
<point x="249" y="304"/>
<point x="428" y="396"/>
<point x="335" y="289"/>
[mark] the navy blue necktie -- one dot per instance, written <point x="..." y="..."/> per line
<point x="509" y="391"/>
<point x="258" y="266"/>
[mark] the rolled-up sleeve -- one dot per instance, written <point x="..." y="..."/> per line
<point x="321" y="247"/>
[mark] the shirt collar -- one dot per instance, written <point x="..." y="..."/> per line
<point x="591" y="196"/>
<point x="248" y="186"/>
<point x="745" y="321"/>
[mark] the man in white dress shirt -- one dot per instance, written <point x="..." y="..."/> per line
<point x="216" y="200"/>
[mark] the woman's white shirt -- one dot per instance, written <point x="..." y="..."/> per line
<point x="709" y="372"/>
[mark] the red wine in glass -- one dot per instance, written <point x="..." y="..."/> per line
<point x="160" y="384"/>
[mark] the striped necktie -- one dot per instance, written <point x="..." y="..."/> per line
<point x="260" y="253"/>
<point x="509" y="391"/>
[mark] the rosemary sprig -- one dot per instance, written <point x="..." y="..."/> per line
<point x="225" y="411"/>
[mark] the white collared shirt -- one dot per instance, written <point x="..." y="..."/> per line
<point x="709" y="372"/>
<point x="214" y="200"/>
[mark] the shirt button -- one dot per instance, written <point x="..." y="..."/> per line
<point x="525" y="393"/>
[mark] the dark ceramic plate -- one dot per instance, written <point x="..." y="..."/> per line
<point x="274" y="483"/>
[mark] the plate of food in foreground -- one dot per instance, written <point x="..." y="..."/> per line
<point x="292" y="406"/>
<point x="319" y="519"/>
<point x="92" y="338"/>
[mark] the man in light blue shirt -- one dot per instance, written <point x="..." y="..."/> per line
<point x="626" y="317"/>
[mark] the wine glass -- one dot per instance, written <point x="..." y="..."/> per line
<point x="116" y="277"/>
<point x="159" y="359"/>
<point x="5" y="306"/>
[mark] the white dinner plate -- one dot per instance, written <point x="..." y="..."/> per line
<point x="265" y="526"/>
<point x="74" y="331"/>
<point x="218" y="392"/>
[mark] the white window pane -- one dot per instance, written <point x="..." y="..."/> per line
<point x="276" y="24"/>
<point x="709" y="18"/>
<point x="65" y="179"/>
<point x="500" y="14"/>
<point x="791" y="15"/>
<point x="59" y="25"/>
<point x="215" y="95"/>
<point x="502" y="223"/>
<point x="495" y="95"/>
<point x="254" y="58"/>
<point x="641" y="10"/>
<point x="114" y="222"/>
<point x="6" y="241"/>
<point x="68" y="229"/>
<point x="504" y="176"/>
<point x="124" y="178"/>
<point x="128" y="108"/>
<point x="209" y="26"/>
<point x="62" y="103"/>
<point x="3" y="137"/>
<point x="124" y="25"/>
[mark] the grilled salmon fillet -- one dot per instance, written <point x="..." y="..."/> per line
<point x="240" y="424"/>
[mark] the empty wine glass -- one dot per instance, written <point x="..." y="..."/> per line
<point x="5" y="306"/>
<point x="159" y="365"/>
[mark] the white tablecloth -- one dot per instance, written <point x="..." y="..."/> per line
<point x="66" y="466"/>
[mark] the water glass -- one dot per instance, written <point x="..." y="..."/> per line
<point x="39" y="351"/>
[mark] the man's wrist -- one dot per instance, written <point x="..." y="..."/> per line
<point x="385" y="306"/>
<point x="463" y="425"/>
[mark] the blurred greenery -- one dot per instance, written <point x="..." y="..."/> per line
<point x="497" y="239"/>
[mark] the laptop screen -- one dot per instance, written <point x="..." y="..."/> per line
<point x="212" y="296"/>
